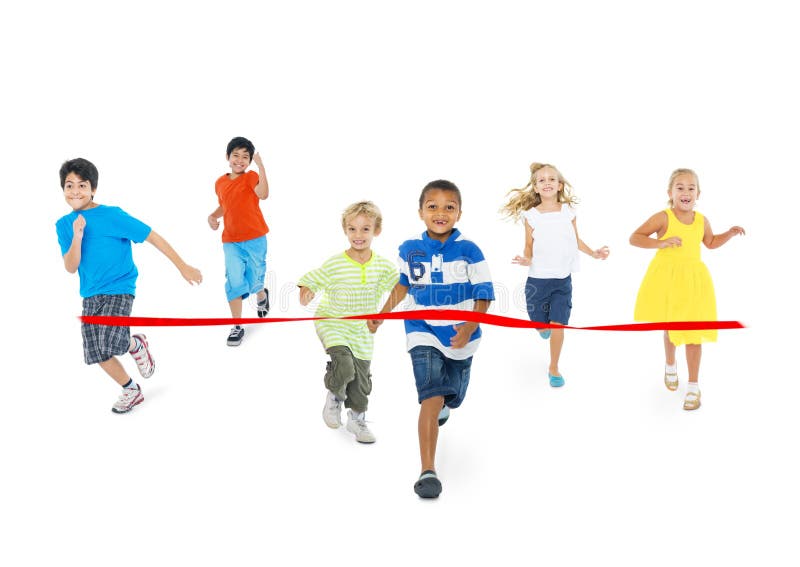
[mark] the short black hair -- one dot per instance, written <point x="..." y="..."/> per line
<point x="243" y="143"/>
<point x="442" y="184"/>
<point x="83" y="168"/>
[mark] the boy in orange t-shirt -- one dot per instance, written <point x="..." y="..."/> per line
<point x="244" y="237"/>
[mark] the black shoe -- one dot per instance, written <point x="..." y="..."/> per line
<point x="263" y="305"/>
<point x="236" y="335"/>
<point x="428" y="486"/>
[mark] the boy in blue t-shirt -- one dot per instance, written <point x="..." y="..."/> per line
<point x="96" y="241"/>
<point x="440" y="269"/>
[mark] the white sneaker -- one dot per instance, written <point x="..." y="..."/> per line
<point x="127" y="400"/>
<point x="332" y="412"/>
<point x="357" y="425"/>
<point x="144" y="360"/>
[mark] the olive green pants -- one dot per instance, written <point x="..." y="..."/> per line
<point x="348" y="378"/>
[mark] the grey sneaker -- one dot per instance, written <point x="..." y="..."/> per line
<point x="357" y="425"/>
<point x="444" y="415"/>
<point x="235" y="336"/>
<point x="332" y="412"/>
<point x="144" y="360"/>
<point x="127" y="400"/>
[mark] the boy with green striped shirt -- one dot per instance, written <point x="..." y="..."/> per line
<point x="353" y="283"/>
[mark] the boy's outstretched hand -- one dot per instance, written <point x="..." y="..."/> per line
<point x="373" y="324"/>
<point x="191" y="274"/>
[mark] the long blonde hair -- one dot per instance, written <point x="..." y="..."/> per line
<point x="521" y="200"/>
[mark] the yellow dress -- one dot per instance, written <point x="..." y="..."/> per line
<point x="677" y="285"/>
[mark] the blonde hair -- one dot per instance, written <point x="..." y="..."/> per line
<point x="682" y="171"/>
<point x="521" y="200"/>
<point x="366" y="208"/>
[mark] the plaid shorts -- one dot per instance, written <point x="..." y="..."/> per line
<point x="101" y="342"/>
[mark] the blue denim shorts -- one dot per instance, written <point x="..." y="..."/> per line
<point x="437" y="375"/>
<point x="245" y="267"/>
<point x="549" y="299"/>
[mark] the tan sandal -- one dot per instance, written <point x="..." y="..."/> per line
<point x="691" y="401"/>
<point x="671" y="380"/>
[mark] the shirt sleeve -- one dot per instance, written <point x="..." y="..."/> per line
<point x="390" y="278"/>
<point x="479" y="276"/>
<point x="318" y="279"/>
<point x="65" y="234"/>
<point x="126" y="226"/>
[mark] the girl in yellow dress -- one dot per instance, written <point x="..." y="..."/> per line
<point x="677" y="285"/>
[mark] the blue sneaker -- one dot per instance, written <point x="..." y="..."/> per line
<point x="545" y="334"/>
<point x="444" y="415"/>
<point x="556" y="381"/>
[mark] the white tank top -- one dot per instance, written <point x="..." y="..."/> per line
<point x="555" y="245"/>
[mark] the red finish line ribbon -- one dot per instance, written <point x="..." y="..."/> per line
<point x="429" y="314"/>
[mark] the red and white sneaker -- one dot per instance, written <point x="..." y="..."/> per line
<point x="144" y="360"/>
<point x="127" y="400"/>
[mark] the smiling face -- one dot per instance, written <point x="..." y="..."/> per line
<point x="547" y="183"/>
<point x="360" y="230"/>
<point x="78" y="192"/>
<point x="440" y="211"/>
<point x="239" y="160"/>
<point x="684" y="192"/>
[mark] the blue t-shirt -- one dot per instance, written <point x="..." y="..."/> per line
<point x="106" y="258"/>
<point x="446" y="275"/>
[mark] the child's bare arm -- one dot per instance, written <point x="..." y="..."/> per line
<point x="213" y="218"/>
<point x="397" y="295"/>
<point x="527" y="255"/>
<point x="712" y="240"/>
<point x="656" y="224"/>
<point x="189" y="273"/>
<point x="72" y="259"/>
<point x="262" y="189"/>
<point x="599" y="254"/>
<point x="464" y="330"/>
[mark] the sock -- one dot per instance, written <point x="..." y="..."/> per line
<point x="136" y="344"/>
<point x="131" y="385"/>
<point x="693" y="387"/>
<point x="357" y="415"/>
<point x="671" y="368"/>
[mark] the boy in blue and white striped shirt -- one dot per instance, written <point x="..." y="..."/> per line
<point x="440" y="269"/>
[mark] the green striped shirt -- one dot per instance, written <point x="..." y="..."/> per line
<point x="349" y="288"/>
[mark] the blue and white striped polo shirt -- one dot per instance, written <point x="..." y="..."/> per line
<point x="444" y="275"/>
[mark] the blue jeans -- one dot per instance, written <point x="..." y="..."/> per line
<point x="437" y="375"/>
<point x="549" y="299"/>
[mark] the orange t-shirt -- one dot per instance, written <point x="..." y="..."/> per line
<point x="241" y="213"/>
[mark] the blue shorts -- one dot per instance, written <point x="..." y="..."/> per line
<point x="549" y="299"/>
<point x="245" y="266"/>
<point x="437" y="375"/>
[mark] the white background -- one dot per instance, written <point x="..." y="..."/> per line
<point x="228" y="462"/>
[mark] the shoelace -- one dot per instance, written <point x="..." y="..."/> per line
<point x="128" y="394"/>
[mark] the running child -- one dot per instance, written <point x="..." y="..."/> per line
<point x="440" y="269"/>
<point x="677" y="285"/>
<point x="244" y="236"/>
<point x="353" y="283"/>
<point x="96" y="241"/>
<point x="546" y="205"/>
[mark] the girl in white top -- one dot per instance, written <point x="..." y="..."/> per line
<point x="551" y="252"/>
